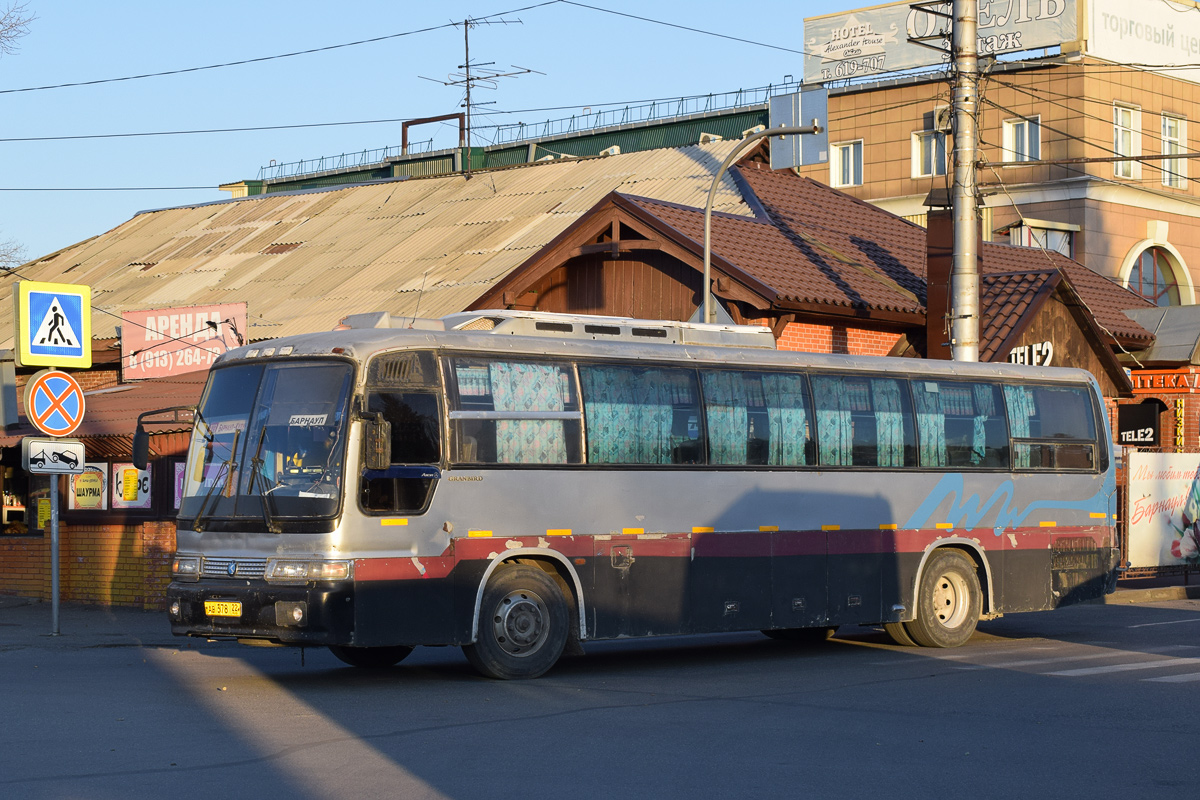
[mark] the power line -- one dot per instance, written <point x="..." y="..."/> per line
<point x="260" y="59"/>
<point x="685" y="28"/>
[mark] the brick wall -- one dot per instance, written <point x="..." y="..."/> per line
<point x="809" y="338"/>
<point x="118" y="565"/>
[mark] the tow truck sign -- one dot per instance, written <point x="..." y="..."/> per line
<point x="52" y="456"/>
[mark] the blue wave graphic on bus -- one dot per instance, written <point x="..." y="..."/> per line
<point x="968" y="512"/>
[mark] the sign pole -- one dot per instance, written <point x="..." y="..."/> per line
<point x="54" y="555"/>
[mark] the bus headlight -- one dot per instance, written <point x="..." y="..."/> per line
<point x="293" y="570"/>
<point x="186" y="568"/>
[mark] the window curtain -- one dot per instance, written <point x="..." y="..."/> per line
<point x="835" y="431"/>
<point x="931" y="425"/>
<point x="528" y="387"/>
<point x="889" y="422"/>
<point x="787" y="416"/>
<point x="985" y="408"/>
<point x="629" y="413"/>
<point x="725" y="401"/>
<point x="1019" y="402"/>
<point x="609" y="409"/>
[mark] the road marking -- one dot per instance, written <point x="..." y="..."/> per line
<point x="1171" y="622"/>
<point x="1188" y="678"/>
<point x="1029" y="662"/>
<point x="1165" y="662"/>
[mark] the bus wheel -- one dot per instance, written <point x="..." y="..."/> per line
<point x="370" y="657"/>
<point x="801" y="635"/>
<point x="899" y="634"/>
<point x="948" y="601"/>
<point x="523" y="625"/>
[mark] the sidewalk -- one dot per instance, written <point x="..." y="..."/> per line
<point x="26" y="622"/>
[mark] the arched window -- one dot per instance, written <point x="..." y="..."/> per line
<point x="1153" y="277"/>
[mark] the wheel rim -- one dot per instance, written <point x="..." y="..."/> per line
<point x="951" y="600"/>
<point x="521" y="623"/>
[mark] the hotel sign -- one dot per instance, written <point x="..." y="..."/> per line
<point x="870" y="41"/>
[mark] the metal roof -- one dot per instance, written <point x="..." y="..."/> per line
<point x="426" y="246"/>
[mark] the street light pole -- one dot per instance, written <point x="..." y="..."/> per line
<point x="784" y="130"/>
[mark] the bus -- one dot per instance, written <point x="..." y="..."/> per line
<point x="516" y="483"/>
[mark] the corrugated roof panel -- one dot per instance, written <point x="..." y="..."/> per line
<point x="269" y="234"/>
<point x="390" y="233"/>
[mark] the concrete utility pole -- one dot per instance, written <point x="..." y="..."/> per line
<point x="964" y="275"/>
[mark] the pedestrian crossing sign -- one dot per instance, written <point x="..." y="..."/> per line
<point x="54" y="324"/>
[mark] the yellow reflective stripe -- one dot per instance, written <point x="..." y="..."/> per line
<point x="891" y="526"/>
<point x="1048" y="524"/>
<point x="768" y="528"/>
<point x="479" y="533"/>
<point x="393" y="522"/>
<point x="558" y="531"/>
<point x="702" y="530"/>
<point x="831" y="527"/>
<point x="632" y="531"/>
<point x="1098" y="515"/>
<point x="945" y="526"/>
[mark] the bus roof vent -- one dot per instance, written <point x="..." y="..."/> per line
<point x="586" y="327"/>
<point x="480" y="324"/>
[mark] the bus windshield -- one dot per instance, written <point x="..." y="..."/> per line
<point x="268" y="445"/>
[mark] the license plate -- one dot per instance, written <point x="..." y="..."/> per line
<point x="222" y="608"/>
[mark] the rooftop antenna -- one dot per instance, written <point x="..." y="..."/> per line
<point x="479" y="73"/>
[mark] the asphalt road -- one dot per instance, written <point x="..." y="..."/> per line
<point x="1089" y="701"/>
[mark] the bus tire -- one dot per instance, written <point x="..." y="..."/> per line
<point x="801" y="635"/>
<point x="370" y="657"/>
<point x="948" y="601"/>
<point x="523" y="625"/>
<point x="899" y="634"/>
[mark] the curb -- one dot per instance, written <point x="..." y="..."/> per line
<point x="1157" y="595"/>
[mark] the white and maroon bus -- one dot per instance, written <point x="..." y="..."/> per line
<point x="512" y="482"/>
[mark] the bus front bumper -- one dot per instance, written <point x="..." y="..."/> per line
<point x="315" y="614"/>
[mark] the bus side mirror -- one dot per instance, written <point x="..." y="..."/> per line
<point x="141" y="448"/>
<point x="377" y="443"/>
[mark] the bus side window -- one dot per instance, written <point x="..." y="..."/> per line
<point x="641" y="415"/>
<point x="757" y="419"/>
<point x="1053" y="427"/>
<point x="507" y="412"/>
<point x="864" y="421"/>
<point x="416" y="439"/>
<point x="960" y="425"/>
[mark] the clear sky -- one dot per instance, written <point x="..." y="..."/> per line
<point x="590" y="58"/>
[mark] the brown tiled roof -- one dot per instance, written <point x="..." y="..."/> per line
<point x="799" y="265"/>
<point x="1004" y="299"/>
<point x="859" y="233"/>
<point x="1106" y="299"/>
<point x="897" y="246"/>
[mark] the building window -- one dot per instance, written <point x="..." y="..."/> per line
<point x="928" y="154"/>
<point x="846" y="164"/>
<point x="1153" y="277"/>
<point x="1174" y="141"/>
<point x="1023" y="139"/>
<point x="1126" y="122"/>
<point x="1057" y="240"/>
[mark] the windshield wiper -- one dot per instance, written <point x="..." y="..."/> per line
<point x="228" y="468"/>
<point x="256" y="475"/>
